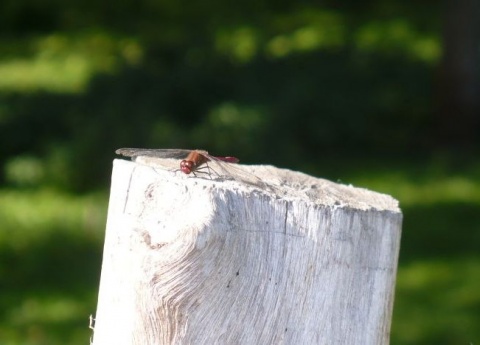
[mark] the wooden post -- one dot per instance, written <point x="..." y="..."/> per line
<point x="188" y="260"/>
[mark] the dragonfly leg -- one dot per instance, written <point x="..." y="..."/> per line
<point x="209" y="171"/>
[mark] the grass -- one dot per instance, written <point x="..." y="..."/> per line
<point x="50" y="256"/>
<point x="438" y="302"/>
<point x="61" y="63"/>
<point x="51" y="243"/>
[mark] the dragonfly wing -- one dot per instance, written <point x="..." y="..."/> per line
<point x="224" y="167"/>
<point x="158" y="153"/>
<point x="229" y="170"/>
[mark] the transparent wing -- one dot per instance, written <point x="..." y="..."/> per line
<point x="230" y="171"/>
<point x="159" y="153"/>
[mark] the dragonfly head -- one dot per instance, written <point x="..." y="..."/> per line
<point x="186" y="166"/>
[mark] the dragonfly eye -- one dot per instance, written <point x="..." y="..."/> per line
<point x="186" y="166"/>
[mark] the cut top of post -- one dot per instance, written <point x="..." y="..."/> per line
<point x="281" y="183"/>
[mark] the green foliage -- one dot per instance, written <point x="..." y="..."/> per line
<point x="50" y="255"/>
<point x="316" y="78"/>
<point x="341" y="91"/>
<point x="62" y="64"/>
<point x="437" y="302"/>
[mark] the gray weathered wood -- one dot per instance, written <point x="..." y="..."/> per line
<point x="188" y="260"/>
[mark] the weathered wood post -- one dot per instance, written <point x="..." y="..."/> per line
<point x="188" y="260"/>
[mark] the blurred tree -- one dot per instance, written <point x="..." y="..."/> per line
<point x="458" y="102"/>
<point x="276" y="82"/>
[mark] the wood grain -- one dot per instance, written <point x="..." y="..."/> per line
<point x="191" y="260"/>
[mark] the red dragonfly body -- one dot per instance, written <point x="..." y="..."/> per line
<point x="191" y="162"/>
<point x="196" y="158"/>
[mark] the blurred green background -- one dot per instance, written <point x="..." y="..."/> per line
<point x="382" y="94"/>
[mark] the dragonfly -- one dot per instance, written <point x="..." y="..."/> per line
<point x="194" y="161"/>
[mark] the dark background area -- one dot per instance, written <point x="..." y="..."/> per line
<point x="383" y="94"/>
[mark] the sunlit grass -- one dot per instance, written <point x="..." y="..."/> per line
<point x="314" y="30"/>
<point x="27" y="216"/>
<point x="62" y="64"/>
<point x="240" y="43"/>
<point x="424" y="188"/>
<point x="445" y="189"/>
<point x="50" y="245"/>
<point x="69" y="73"/>
<point x="47" y="309"/>
<point x="438" y="302"/>
<point x="398" y="35"/>
<point x="47" y="319"/>
<point x="305" y="31"/>
<point x="321" y="29"/>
